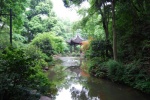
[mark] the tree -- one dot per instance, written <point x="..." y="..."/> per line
<point x="39" y="18"/>
<point x="18" y="8"/>
<point x="114" y="31"/>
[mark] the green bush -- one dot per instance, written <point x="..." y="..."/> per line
<point x="49" y="43"/>
<point x="97" y="68"/>
<point x="19" y="75"/>
<point x="99" y="48"/>
<point x="143" y="85"/>
<point x="4" y="40"/>
<point x="130" y="73"/>
<point x="59" y="44"/>
<point x="115" y="70"/>
<point x="18" y="37"/>
<point x="17" y="40"/>
<point x="136" y="76"/>
<point x="36" y="53"/>
<point x="44" y="43"/>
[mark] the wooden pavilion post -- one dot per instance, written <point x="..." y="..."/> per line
<point x="74" y="47"/>
<point x="71" y="48"/>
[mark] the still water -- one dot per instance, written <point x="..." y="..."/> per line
<point x="75" y="84"/>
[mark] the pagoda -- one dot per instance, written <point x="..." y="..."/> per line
<point x="77" y="40"/>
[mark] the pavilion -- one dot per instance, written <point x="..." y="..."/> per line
<point x="77" y="40"/>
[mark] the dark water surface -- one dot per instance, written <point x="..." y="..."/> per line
<point x="74" y="84"/>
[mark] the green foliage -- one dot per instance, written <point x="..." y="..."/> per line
<point x="4" y="40"/>
<point x="18" y="8"/>
<point x="97" y="68"/>
<point x="19" y="75"/>
<point x="43" y="8"/>
<point x="132" y="28"/>
<point x="38" y="18"/>
<point x="35" y="24"/>
<point x="90" y="25"/>
<point x="18" y="41"/>
<point x="18" y="37"/>
<point x="43" y="41"/>
<point x="59" y="44"/>
<point x="115" y="70"/>
<point x="99" y="48"/>
<point x="35" y="53"/>
<point x="137" y="76"/>
<point x="49" y="43"/>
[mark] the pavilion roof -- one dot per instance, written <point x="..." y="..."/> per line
<point x="76" y="40"/>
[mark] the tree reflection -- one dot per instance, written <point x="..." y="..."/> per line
<point x="82" y="94"/>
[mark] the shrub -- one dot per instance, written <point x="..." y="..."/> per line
<point x="99" y="48"/>
<point x="4" y="40"/>
<point x="115" y="70"/>
<point x="18" y="37"/>
<point x="48" y="43"/>
<point x="16" y="42"/>
<point x="130" y="73"/>
<point x="143" y="85"/>
<point x="136" y="76"/>
<point x="59" y="44"/>
<point x="36" y="53"/>
<point x="97" y="68"/>
<point x="44" y="43"/>
<point x="19" y="75"/>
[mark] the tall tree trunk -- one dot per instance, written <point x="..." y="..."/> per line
<point x="114" y="31"/>
<point x="107" y="40"/>
<point x="105" y="21"/>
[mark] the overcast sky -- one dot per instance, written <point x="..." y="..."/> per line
<point x="66" y="13"/>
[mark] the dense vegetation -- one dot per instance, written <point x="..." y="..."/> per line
<point x="20" y="74"/>
<point x="119" y="44"/>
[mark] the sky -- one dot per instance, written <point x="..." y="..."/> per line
<point x="66" y="13"/>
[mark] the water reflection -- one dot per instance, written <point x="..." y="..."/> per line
<point x="72" y="88"/>
<point x="75" y="84"/>
<point x="81" y="94"/>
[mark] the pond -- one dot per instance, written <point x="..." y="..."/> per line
<point x="75" y="84"/>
